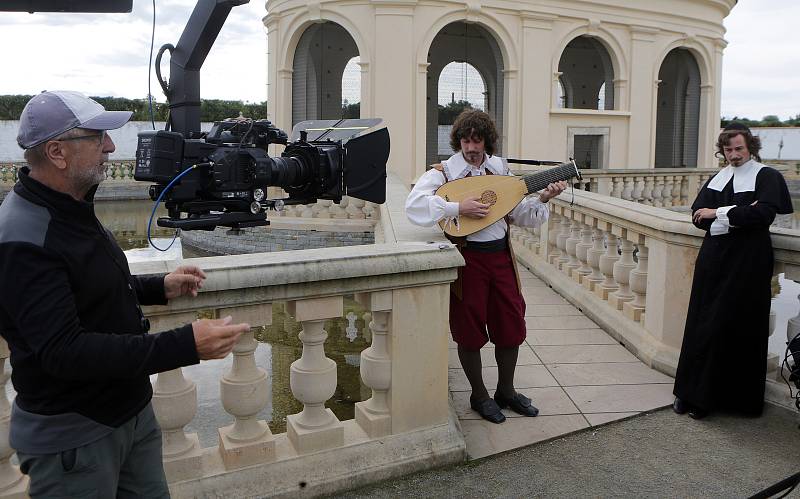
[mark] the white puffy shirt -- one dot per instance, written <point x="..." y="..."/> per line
<point x="425" y="208"/>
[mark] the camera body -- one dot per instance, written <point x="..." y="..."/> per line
<point x="221" y="178"/>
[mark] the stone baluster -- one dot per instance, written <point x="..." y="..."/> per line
<point x="244" y="391"/>
<point x="370" y="210"/>
<point x="13" y="484"/>
<point x="307" y="210"/>
<point x="535" y="240"/>
<point x="638" y="189"/>
<point x="321" y="208"/>
<point x="593" y="256"/>
<point x="666" y="194"/>
<point x="175" y="405"/>
<point x="373" y="415"/>
<point x="355" y="208"/>
<point x="561" y="240"/>
<point x="684" y="191"/>
<point x="554" y="252"/>
<point x="338" y="211"/>
<point x="607" y="263"/>
<point x="676" y="190"/>
<point x="635" y="308"/>
<point x="617" y="186"/>
<point x="627" y="191"/>
<point x="313" y="378"/>
<point x="647" y="192"/>
<point x="572" y="241"/>
<point x="658" y="191"/>
<point x="622" y="273"/>
<point x="582" y="249"/>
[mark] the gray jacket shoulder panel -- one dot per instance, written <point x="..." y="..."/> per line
<point x="23" y="221"/>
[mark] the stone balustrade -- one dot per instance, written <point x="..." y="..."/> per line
<point x="661" y="187"/>
<point x="629" y="268"/>
<point x="406" y="425"/>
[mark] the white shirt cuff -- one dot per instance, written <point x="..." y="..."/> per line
<point x="722" y="215"/>
<point x="718" y="228"/>
<point x="451" y="209"/>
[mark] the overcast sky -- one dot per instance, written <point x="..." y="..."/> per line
<point x="107" y="54"/>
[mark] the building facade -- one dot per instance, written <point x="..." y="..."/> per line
<point x="621" y="84"/>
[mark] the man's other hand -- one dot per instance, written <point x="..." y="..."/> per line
<point x="552" y="191"/>
<point x="473" y="208"/>
<point x="185" y="280"/>
<point x="215" y="338"/>
<point x="703" y="214"/>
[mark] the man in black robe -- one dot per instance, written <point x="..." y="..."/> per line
<point x="722" y="364"/>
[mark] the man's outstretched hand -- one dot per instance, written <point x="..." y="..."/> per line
<point x="185" y="280"/>
<point x="215" y="338"/>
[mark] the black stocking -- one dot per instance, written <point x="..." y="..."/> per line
<point x="506" y="364"/>
<point x="471" y="363"/>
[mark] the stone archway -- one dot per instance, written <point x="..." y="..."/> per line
<point x="586" y="70"/>
<point x="678" y="115"/>
<point x="468" y="43"/>
<point x="319" y="61"/>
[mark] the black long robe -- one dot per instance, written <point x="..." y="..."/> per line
<point x="723" y="358"/>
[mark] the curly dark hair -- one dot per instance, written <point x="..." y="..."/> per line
<point x="474" y="123"/>
<point x="753" y="143"/>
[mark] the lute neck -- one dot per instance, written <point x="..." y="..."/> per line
<point x="539" y="180"/>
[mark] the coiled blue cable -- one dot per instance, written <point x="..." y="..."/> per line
<point x="155" y="206"/>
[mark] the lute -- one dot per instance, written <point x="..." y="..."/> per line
<point x="501" y="192"/>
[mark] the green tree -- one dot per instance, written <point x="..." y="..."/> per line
<point x="449" y="113"/>
<point x="351" y="110"/>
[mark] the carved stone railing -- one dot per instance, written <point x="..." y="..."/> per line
<point x="121" y="170"/>
<point x="660" y="187"/>
<point x="629" y="268"/>
<point x="407" y="423"/>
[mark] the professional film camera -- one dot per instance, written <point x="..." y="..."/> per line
<point x="221" y="178"/>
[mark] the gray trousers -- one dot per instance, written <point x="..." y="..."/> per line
<point x="125" y="463"/>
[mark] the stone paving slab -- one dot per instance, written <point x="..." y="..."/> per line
<point x="575" y="373"/>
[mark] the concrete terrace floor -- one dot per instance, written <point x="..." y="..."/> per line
<point x="575" y="373"/>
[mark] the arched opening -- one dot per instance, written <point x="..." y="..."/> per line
<point x="351" y="89"/>
<point x="678" y="118"/>
<point x="323" y="52"/>
<point x="587" y="75"/>
<point x="465" y="63"/>
<point x="461" y="87"/>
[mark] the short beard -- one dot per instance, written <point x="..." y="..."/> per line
<point x="83" y="179"/>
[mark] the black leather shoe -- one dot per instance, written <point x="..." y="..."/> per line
<point x="696" y="413"/>
<point x="679" y="406"/>
<point x="488" y="410"/>
<point x="519" y="403"/>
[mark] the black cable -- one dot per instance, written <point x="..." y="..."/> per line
<point x="150" y="67"/>
<point x="161" y="82"/>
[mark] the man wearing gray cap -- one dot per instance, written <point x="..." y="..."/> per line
<point x="70" y="310"/>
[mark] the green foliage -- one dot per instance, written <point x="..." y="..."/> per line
<point x="449" y="113"/>
<point x="768" y="120"/>
<point x="351" y="110"/>
<point x="210" y="109"/>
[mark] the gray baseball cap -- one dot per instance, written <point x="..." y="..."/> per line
<point x="50" y="114"/>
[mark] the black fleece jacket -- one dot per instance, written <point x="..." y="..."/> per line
<point x="70" y="311"/>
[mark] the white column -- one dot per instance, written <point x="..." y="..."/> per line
<point x="607" y="262"/>
<point x="582" y="249"/>
<point x="313" y="378"/>
<point x="373" y="415"/>
<point x="591" y="281"/>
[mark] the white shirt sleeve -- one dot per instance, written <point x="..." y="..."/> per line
<point x="423" y="206"/>
<point x="530" y="212"/>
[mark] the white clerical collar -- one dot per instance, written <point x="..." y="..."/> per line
<point x="744" y="177"/>
<point x="457" y="166"/>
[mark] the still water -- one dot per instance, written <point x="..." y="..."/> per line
<point x="280" y="345"/>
